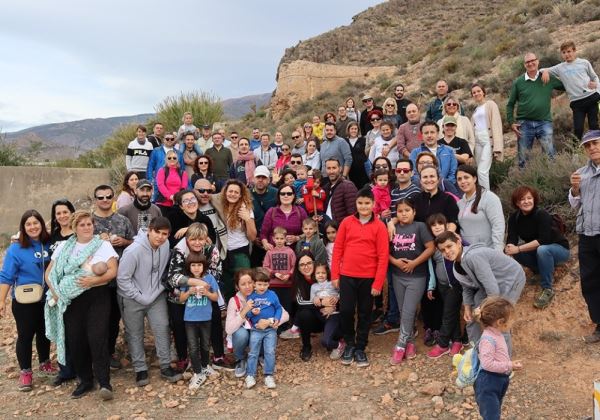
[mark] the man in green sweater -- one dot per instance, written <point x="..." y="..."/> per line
<point x="534" y="119"/>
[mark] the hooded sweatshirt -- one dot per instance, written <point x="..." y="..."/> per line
<point x="487" y="225"/>
<point x="24" y="265"/>
<point x="140" y="270"/>
<point x="497" y="273"/>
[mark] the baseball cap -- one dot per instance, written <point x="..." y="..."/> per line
<point x="206" y="126"/>
<point x="590" y="136"/>
<point x="367" y="97"/>
<point x="449" y="119"/>
<point x="262" y="170"/>
<point x="143" y="183"/>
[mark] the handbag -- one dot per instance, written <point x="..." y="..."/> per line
<point x="32" y="292"/>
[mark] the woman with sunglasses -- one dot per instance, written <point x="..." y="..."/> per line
<point x="284" y="159"/>
<point x="184" y="213"/>
<point x="158" y="160"/>
<point x="203" y="170"/>
<point x="464" y="129"/>
<point x="307" y="132"/>
<point x="390" y="113"/>
<point x="375" y="117"/>
<point x="170" y="179"/>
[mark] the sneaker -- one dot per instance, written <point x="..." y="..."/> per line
<point x="210" y="372"/>
<point x="196" y="381"/>
<point x="81" y="390"/>
<point x="46" y="369"/>
<point x="306" y="354"/>
<point x="592" y="338"/>
<point x="250" y="382"/>
<point x="429" y="338"/>
<point x="106" y="393"/>
<point x="182" y="365"/>
<point x="337" y="352"/>
<point x="115" y="362"/>
<point x="397" y="355"/>
<point x="534" y="279"/>
<point x="170" y="374"/>
<point x="438" y="351"/>
<point x="361" y="358"/>
<point x="376" y="316"/>
<point x="456" y="348"/>
<point x="411" y="351"/>
<point x="270" y="382"/>
<point x="544" y="298"/>
<point x="141" y="378"/>
<point x="240" y="368"/>
<point x="59" y="380"/>
<point x="348" y="356"/>
<point x="290" y="334"/>
<point x="386" y="328"/>
<point x="25" y="381"/>
<point x="223" y="363"/>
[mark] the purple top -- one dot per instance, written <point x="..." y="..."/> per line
<point x="276" y="217"/>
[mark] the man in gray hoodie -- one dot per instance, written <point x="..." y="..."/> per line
<point x="482" y="272"/>
<point x="142" y="295"/>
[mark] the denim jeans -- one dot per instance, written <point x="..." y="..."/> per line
<point x="483" y="157"/>
<point x="543" y="260"/>
<point x="490" y="389"/>
<point x="240" y="339"/>
<point x="266" y="339"/>
<point x="198" y="338"/>
<point x="531" y="130"/>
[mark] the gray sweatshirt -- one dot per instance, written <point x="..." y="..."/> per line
<point x="495" y="272"/>
<point x="575" y="76"/>
<point x="141" y="269"/>
<point x="337" y="148"/>
<point x="487" y="226"/>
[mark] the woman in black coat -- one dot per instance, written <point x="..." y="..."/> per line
<point x="358" y="173"/>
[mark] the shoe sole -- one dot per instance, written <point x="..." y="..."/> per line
<point x="362" y="364"/>
<point x="346" y="362"/>
<point x="106" y="394"/>
<point x="143" y="382"/>
<point x="25" y="388"/>
<point x="240" y="375"/>
<point x="172" y="379"/>
<point x="435" y="357"/>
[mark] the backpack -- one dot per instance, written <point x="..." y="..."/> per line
<point x="467" y="365"/>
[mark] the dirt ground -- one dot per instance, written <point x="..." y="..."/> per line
<point x="556" y="382"/>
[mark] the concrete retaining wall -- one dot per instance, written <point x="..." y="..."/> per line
<point x="30" y="187"/>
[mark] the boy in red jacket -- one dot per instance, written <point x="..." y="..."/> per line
<point x="358" y="269"/>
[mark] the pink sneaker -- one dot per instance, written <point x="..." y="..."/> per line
<point x="437" y="351"/>
<point x="397" y="355"/>
<point x="411" y="351"/>
<point x="182" y="365"/>
<point x="25" y="380"/>
<point x="455" y="348"/>
<point x="46" y="369"/>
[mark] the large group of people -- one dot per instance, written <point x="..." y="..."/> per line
<point x="299" y="237"/>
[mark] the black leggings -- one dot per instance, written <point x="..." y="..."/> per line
<point x="114" y="320"/>
<point x="198" y="336"/>
<point x="86" y="330"/>
<point x="30" y="321"/>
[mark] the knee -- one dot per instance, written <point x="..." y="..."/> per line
<point x="543" y="251"/>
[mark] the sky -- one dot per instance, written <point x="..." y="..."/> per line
<point x="66" y="60"/>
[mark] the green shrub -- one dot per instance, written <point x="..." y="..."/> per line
<point x="206" y="109"/>
<point x="9" y="156"/>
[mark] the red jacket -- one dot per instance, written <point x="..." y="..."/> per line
<point x="309" y="200"/>
<point x="367" y="250"/>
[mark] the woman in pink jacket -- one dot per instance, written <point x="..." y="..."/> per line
<point x="170" y="180"/>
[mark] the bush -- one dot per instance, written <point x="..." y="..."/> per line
<point x="550" y="177"/>
<point x="9" y="156"/>
<point x="206" y="109"/>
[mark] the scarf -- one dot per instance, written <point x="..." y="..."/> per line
<point x="250" y="165"/>
<point x="63" y="279"/>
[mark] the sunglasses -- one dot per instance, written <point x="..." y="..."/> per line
<point x="202" y="162"/>
<point x="381" y="167"/>
<point x="172" y="158"/>
<point x="285" y="149"/>
<point x="189" y="201"/>
<point x="296" y="162"/>
<point x="450" y="104"/>
<point x="104" y="197"/>
<point x="375" y="119"/>
<point x="204" y="191"/>
<point x="402" y="170"/>
<point x="295" y="137"/>
<point x="531" y="61"/>
<point x="234" y="137"/>
<point x="284" y="193"/>
<point x="169" y="138"/>
<point x="389" y="105"/>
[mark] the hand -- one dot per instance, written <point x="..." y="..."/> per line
<point x="511" y="249"/>
<point x="330" y="301"/>
<point x="105" y="236"/>
<point x="290" y="239"/>
<point x="317" y="218"/>
<point x="299" y="201"/>
<point x="386" y="213"/>
<point x="545" y="76"/>
<point x="180" y="233"/>
<point x="244" y="213"/>
<point x="336" y="283"/>
<point x="375" y="292"/>
<point x="249" y="305"/>
<point x="409" y="265"/>
<point x="315" y="193"/>
<point x="575" y="183"/>
<point x="117" y="241"/>
<point x="468" y="315"/>
<point x="517" y="365"/>
<point x="385" y="150"/>
<point x="284" y="277"/>
<point x="275" y="323"/>
<point x="391" y="227"/>
<point x="327" y="310"/>
<point x="262" y="324"/>
<point x="2" y="309"/>
<point x="592" y="85"/>
<point x="430" y="295"/>
<point x="87" y="281"/>
<point x="267" y="245"/>
<point x="515" y="128"/>
<point x="255" y="311"/>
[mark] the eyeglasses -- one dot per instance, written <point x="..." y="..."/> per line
<point x="295" y="137"/>
<point x="367" y="100"/>
<point x="402" y="170"/>
<point x="234" y="137"/>
<point x="104" y="197"/>
<point x="202" y="162"/>
<point x="381" y="167"/>
<point x="169" y="138"/>
<point x="296" y="162"/>
<point x="308" y="126"/>
<point x="306" y="264"/>
<point x="286" y="193"/>
<point x="172" y="158"/>
<point x="204" y="191"/>
<point x="531" y="61"/>
<point x="189" y="201"/>
<point x="389" y="105"/>
<point x="451" y="104"/>
<point x="375" y="119"/>
<point x="430" y="162"/>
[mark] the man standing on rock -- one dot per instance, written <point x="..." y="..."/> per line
<point x="401" y="101"/>
<point x="534" y="118"/>
<point x="335" y="147"/>
<point x="365" y="121"/>
<point x="435" y="108"/>
<point x="341" y="125"/>
<point x="583" y="197"/>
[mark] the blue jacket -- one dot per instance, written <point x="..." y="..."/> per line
<point x="446" y="159"/>
<point x="24" y="265"/>
<point x="157" y="161"/>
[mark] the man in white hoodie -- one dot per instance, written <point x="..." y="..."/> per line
<point x="142" y="295"/>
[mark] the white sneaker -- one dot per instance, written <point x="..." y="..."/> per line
<point x="250" y="381"/>
<point x="197" y="380"/>
<point x="269" y="382"/>
<point x="290" y="334"/>
<point x="337" y="352"/>
<point x="210" y="372"/>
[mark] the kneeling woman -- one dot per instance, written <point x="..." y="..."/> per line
<point x="236" y="323"/>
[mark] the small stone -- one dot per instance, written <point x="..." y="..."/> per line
<point x="171" y="404"/>
<point x="148" y="388"/>
<point x="414" y="417"/>
<point x="467" y="406"/>
<point x="354" y="398"/>
<point x="413" y="377"/>
<point x="433" y="388"/>
<point x="438" y="402"/>
<point x="387" y="399"/>
<point x="468" y="391"/>
<point x="114" y="417"/>
<point x="274" y="394"/>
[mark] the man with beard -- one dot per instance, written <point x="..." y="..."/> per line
<point x="337" y="148"/>
<point x="401" y="101"/>
<point x="157" y="135"/>
<point x="264" y="196"/>
<point x="141" y="212"/>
